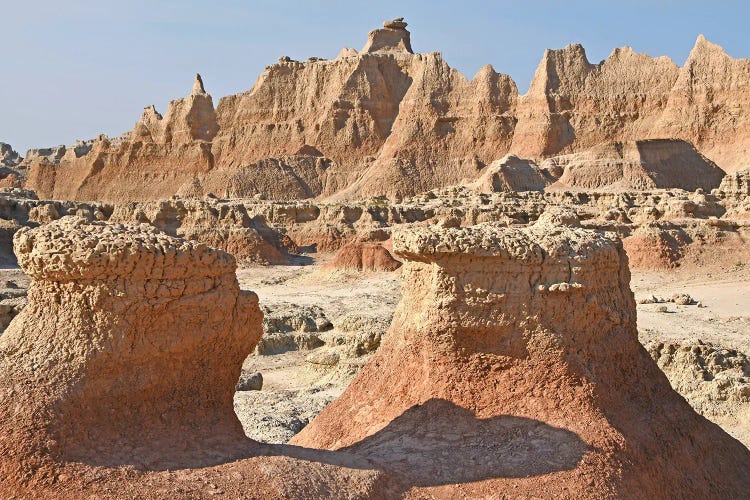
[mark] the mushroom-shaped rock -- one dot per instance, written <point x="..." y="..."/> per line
<point x="513" y="365"/>
<point x="127" y="352"/>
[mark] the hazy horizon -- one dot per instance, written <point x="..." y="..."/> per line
<point x="80" y="68"/>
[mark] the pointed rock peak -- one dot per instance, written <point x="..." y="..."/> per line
<point x="150" y="111"/>
<point x="573" y="53"/>
<point x="393" y="37"/>
<point x="347" y="52"/>
<point x="575" y="50"/>
<point x="623" y="51"/>
<point x="485" y="73"/>
<point x="702" y="45"/>
<point x="487" y="69"/>
<point x="198" y="85"/>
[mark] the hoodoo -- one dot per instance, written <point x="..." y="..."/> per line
<point x="126" y="353"/>
<point x="513" y="364"/>
<point x="121" y="370"/>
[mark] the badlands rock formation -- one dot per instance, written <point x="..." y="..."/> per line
<point x="8" y="156"/>
<point x="364" y="257"/>
<point x="117" y="379"/>
<point x="737" y="183"/>
<point x="511" y="174"/>
<point x="10" y="176"/>
<point x="525" y="374"/>
<point x="227" y="227"/>
<point x="127" y="351"/>
<point x="715" y="381"/>
<point x="386" y="121"/>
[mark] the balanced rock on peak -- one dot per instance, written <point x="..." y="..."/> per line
<point x="395" y="24"/>
<point x="393" y="37"/>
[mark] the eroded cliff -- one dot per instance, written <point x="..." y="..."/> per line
<point x="387" y="121"/>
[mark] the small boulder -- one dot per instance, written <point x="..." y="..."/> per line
<point x="682" y="299"/>
<point x="250" y="382"/>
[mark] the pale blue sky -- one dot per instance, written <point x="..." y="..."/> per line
<point x="74" y="69"/>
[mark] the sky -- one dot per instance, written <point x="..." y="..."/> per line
<point x="74" y="69"/>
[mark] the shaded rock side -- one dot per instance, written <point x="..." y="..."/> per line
<point x="513" y="364"/>
<point x="637" y="166"/>
<point x="127" y="351"/>
<point x="511" y="174"/>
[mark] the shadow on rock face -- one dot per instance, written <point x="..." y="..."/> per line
<point x="440" y="443"/>
<point x="432" y="444"/>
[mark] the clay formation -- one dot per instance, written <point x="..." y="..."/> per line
<point x="386" y="121"/>
<point x="127" y="351"/>
<point x="523" y="365"/>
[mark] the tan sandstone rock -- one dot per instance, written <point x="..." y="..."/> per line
<point x="364" y="257"/>
<point x="390" y="122"/>
<point x="8" y="156"/>
<point x="393" y="37"/>
<point x="513" y="365"/>
<point x="127" y="351"/>
<point x="737" y="183"/>
<point x="637" y="165"/>
<point x="511" y="174"/>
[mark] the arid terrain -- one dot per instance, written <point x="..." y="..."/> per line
<point x="371" y="277"/>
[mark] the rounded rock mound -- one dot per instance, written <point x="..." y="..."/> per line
<point x="513" y="364"/>
<point x="364" y="257"/>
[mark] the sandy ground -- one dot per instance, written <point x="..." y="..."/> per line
<point x="724" y="321"/>
<point x="336" y="292"/>
<point x="294" y="391"/>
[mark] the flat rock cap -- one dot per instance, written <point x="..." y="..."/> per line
<point x="530" y="244"/>
<point x="73" y="248"/>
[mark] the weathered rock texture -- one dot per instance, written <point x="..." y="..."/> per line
<point x="737" y="183"/>
<point x="117" y="378"/>
<point x="715" y="381"/>
<point x="8" y="156"/>
<point x="386" y="121"/>
<point x="229" y="228"/>
<point x="127" y="351"/>
<point x="10" y="176"/>
<point x="524" y="374"/>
